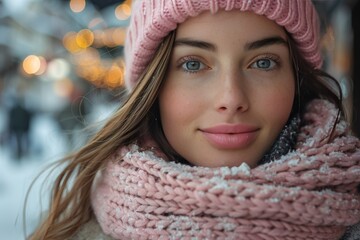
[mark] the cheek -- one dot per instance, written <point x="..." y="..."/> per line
<point x="181" y="99"/>
<point x="173" y="101"/>
<point x="278" y="105"/>
<point x="175" y="108"/>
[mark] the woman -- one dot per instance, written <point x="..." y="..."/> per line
<point x="230" y="131"/>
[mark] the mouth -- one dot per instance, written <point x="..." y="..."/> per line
<point x="227" y="136"/>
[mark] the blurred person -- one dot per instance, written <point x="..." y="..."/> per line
<point x="231" y="130"/>
<point x="19" y="127"/>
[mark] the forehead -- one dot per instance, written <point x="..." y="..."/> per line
<point x="235" y="23"/>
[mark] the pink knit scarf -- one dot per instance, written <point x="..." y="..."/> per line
<point x="310" y="193"/>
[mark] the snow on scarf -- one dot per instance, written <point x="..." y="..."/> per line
<point x="309" y="193"/>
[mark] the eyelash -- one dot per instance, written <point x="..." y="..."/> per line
<point x="270" y="57"/>
<point x="188" y="59"/>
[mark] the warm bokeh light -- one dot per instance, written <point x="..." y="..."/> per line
<point x="98" y="42"/>
<point x="111" y="37"/>
<point x="114" y="77"/>
<point x="87" y="58"/>
<point x="31" y="64"/>
<point x="85" y="38"/>
<point x="106" y="38"/>
<point x="69" y="42"/>
<point x="93" y="74"/>
<point x="77" y="5"/>
<point x="118" y="36"/>
<point x="86" y="46"/>
<point x="123" y="11"/>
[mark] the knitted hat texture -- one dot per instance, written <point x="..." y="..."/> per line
<point x="152" y="20"/>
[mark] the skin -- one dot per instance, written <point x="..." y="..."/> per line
<point x="233" y="70"/>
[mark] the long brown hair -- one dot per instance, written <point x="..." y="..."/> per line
<point x="71" y="208"/>
<point x="139" y="116"/>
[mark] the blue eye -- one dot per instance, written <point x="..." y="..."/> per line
<point x="265" y="64"/>
<point x="192" y="66"/>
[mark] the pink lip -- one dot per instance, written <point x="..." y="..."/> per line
<point x="230" y="136"/>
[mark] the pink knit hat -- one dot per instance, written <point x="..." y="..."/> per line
<point x="152" y="20"/>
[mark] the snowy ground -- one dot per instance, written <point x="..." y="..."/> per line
<point x="16" y="177"/>
<point x="49" y="144"/>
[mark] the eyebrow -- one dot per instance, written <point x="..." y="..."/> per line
<point x="266" y="42"/>
<point x="248" y="46"/>
<point x="195" y="43"/>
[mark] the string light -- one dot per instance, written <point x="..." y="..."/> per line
<point x="85" y="38"/>
<point x="123" y="11"/>
<point x="85" y="46"/>
<point x="31" y="64"/>
<point x="77" y="6"/>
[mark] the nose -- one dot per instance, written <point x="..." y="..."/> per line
<point x="232" y="93"/>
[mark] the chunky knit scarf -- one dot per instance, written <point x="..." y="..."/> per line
<point x="309" y="193"/>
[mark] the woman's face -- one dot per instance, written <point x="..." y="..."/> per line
<point x="229" y="89"/>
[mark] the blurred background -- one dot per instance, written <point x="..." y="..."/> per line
<point x="61" y="70"/>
